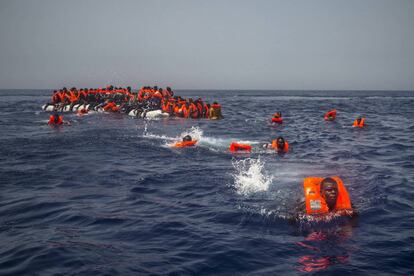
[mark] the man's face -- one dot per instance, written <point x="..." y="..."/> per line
<point x="330" y="193"/>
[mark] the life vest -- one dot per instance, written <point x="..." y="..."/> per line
<point x="56" y="98"/>
<point x="278" y="120"/>
<point x="361" y="123"/>
<point x="215" y="112"/>
<point x="184" y="110"/>
<point x="200" y="108"/>
<point x="177" y="110"/>
<point x="285" y="147"/>
<point x="193" y="111"/>
<point x="206" y="111"/>
<point x="73" y="97"/>
<point x="52" y="120"/>
<point x="316" y="204"/>
<point x="111" y="107"/>
<point x="240" y="147"/>
<point x="184" y="144"/>
<point x="330" y="115"/>
<point x="157" y="94"/>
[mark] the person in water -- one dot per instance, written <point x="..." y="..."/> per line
<point x="187" y="138"/>
<point x="279" y="144"/>
<point x="324" y="196"/>
<point x="359" y="122"/>
<point x="277" y="118"/>
<point x="330" y="115"/>
<point x="55" y="119"/>
<point x="186" y="142"/>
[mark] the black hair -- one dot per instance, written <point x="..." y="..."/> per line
<point x="328" y="180"/>
<point x="187" y="138"/>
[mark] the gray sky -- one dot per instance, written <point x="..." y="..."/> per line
<point x="320" y="44"/>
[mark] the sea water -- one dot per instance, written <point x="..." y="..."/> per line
<point x="107" y="195"/>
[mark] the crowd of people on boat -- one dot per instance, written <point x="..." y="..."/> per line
<point x="121" y="99"/>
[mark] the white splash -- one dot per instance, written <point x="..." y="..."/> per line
<point x="250" y="177"/>
<point x="195" y="132"/>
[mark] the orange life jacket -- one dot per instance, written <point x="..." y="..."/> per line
<point x="157" y="94"/>
<point x="240" y="147"/>
<point x="330" y="115"/>
<point x="55" y="98"/>
<point x="111" y="107"/>
<point x="361" y="123"/>
<point x="316" y="204"/>
<point x="185" y="111"/>
<point x="193" y="111"/>
<point x="52" y="120"/>
<point x="278" y="120"/>
<point x="184" y="144"/>
<point x="285" y="147"/>
<point x="73" y="97"/>
<point x="206" y="111"/>
<point x="61" y="96"/>
<point x="200" y="108"/>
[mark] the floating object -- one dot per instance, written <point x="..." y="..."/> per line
<point x="184" y="144"/>
<point x="330" y="115"/>
<point x="234" y="147"/>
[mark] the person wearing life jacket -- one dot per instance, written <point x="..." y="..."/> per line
<point x="193" y="111"/>
<point x="280" y="145"/>
<point x="325" y="195"/>
<point x="359" y="122"/>
<point x="186" y="142"/>
<point x="277" y="118"/>
<point x="206" y="110"/>
<point x="330" y="115"/>
<point x="110" y="106"/>
<point x="215" y="111"/>
<point x="55" y="97"/>
<point x="55" y="119"/>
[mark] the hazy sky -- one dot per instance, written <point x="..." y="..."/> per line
<point x="224" y="44"/>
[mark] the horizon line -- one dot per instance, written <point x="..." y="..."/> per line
<point x="251" y="89"/>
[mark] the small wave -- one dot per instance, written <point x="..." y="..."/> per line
<point x="250" y="177"/>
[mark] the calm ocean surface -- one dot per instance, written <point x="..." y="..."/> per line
<point x="107" y="196"/>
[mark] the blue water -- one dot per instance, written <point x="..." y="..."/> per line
<point x="107" y="196"/>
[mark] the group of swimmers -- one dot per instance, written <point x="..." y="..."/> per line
<point x="119" y="99"/>
<point x="322" y="195"/>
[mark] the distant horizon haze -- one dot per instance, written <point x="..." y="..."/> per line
<point x="208" y="45"/>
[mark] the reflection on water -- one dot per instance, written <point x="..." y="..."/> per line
<point x="323" y="248"/>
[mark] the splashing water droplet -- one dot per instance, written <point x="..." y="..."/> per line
<point x="249" y="176"/>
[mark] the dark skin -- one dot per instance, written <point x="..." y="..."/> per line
<point x="329" y="191"/>
<point x="280" y="143"/>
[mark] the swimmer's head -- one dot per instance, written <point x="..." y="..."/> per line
<point x="329" y="191"/>
<point x="280" y="142"/>
<point x="187" y="138"/>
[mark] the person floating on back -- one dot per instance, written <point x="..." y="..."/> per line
<point x="326" y="195"/>
<point x="280" y="145"/>
<point x="330" y="115"/>
<point x="277" y="118"/>
<point x="186" y="142"/>
<point x="359" y="122"/>
<point x="215" y="112"/>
